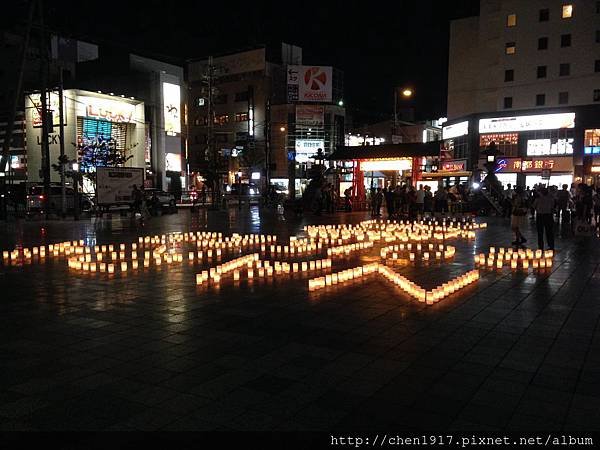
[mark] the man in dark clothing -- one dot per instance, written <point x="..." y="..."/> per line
<point x="389" y="201"/>
<point x="544" y="206"/>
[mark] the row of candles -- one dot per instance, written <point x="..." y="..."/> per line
<point x="523" y="259"/>
<point x="426" y="252"/>
<point x="349" y="248"/>
<point x="410" y="287"/>
<point x="261" y="268"/>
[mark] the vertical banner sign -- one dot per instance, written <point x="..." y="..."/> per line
<point x="172" y="105"/>
<point x="293" y="77"/>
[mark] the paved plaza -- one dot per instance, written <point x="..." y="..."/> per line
<point x="150" y="350"/>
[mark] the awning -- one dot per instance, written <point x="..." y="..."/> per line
<point x="408" y="150"/>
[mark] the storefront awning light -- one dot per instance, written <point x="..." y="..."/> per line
<point x="386" y="165"/>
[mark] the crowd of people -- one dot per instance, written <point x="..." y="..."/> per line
<point x="404" y="201"/>
<point x="548" y="206"/>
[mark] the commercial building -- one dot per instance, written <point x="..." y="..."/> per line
<point x="88" y="117"/>
<point x="525" y="77"/>
<point x="260" y="113"/>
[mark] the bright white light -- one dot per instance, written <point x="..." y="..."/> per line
<point x="476" y="185"/>
<point x="424" y="135"/>
<point x="75" y="167"/>
<point x="386" y="164"/>
<point x="255" y="175"/>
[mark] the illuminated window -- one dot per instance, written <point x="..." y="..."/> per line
<point x="564" y="70"/>
<point x="597" y="95"/>
<point x="540" y="100"/>
<point x="509" y="75"/>
<point x="507" y="102"/>
<point x="543" y="43"/>
<point x="511" y="48"/>
<point x="544" y="15"/>
<point x="506" y="143"/>
<point x="241" y="117"/>
<point x="567" y="11"/>
<point x="592" y="137"/>
<point x="563" y="98"/>
<point x="221" y="119"/>
<point x="541" y="71"/>
<point x="511" y="20"/>
<point x="565" y="40"/>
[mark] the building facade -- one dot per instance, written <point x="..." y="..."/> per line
<point x="525" y="77"/>
<point x="250" y="113"/>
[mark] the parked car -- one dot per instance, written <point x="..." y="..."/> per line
<point x="36" y="199"/>
<point x="247" y="192"/>
<point x="165" y="200"/>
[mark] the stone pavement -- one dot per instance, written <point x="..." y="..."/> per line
<point x="151" y="351"/>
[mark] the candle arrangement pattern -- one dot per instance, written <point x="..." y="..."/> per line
<point x="521" y="259"/>
<point x="311" y="255"/>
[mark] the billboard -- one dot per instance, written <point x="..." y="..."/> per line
<point x="310" y="115"/>
<point x="541" y="147"/>
<point x="309" y="83"/>
<point x="114" y="185"/>
<point x="527" y="123"/>
<point x="455" y="130"/>
<point x="305" y="148"/>
<point x="172" y="106"/>
<point x="105" y="109"/>
<point x="52" y="105"/>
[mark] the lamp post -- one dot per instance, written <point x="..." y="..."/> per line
<point x="76" y="201"/>
<point x="239" y="182"/>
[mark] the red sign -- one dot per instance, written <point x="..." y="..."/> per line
<point x="457" y="165"/>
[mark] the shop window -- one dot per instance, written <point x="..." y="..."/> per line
<point x="592" y="137"/>
<point x="508" y="102"/>
<point x="565" y="40"/>
<point x="543" y="43"/>
<point x="241" y="117"/>
<point x="541" y="71"/>
<point x="511" y="20"/>
<point x="511" y="48"/>
<point x="540" y="99"/>
<point x="509" y="75"/>
<point x="563" y="98"/>
<point x="567" y="11"/>
<point x="544" y="15"/>
<point x="596" y="95"/>
<point x="564" y="69"/>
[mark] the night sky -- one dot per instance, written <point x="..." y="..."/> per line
<point x="379" y="45"/>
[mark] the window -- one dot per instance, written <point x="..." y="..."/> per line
<point x="540" y="100"/>
<point x="565" y="40"/>
<point x="221" y="119"/>
<point x="509" y="75"/>
<point x="507" y="102"/>
<point x="241" y="117"/>
<point x="220" y="99"/>
<point x="241" y="96"/>
<point x="511" y="48"/>
<point x="596" y="95"/>
<point x="563" y="98"/>
<point x="511" y="20"/>
<point x="541" y="71"/>
<point x="544" y="15"/>
<point x="506" y="143"/>
<point x="567" y="11"/>
<point x="543" y="43"/>
<point x="564" y="70"/>
<point x="597" y="65"/>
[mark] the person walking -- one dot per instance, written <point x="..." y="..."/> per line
<point x="518" y="217"/>
<point x="544" y="206"/>
<point x="563" y="200"/>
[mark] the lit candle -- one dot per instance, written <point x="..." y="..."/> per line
<point x="111" y="268"/>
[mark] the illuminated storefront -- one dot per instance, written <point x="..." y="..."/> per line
<point x="92" y="123"/>
<point x="549" y="171"/>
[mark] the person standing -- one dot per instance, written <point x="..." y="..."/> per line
<point x="420" y="201"/>
<point x="389" y="201"/>
<point x="563" y="199"/>
<point x="378" y="202"/>
<point x="137" y="197"/>
<point x="518" y="217"/>
<point x="544" y="206"/>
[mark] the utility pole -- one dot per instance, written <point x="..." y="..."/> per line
<point x="63" y="189"/>
<point x="46" y="123"/>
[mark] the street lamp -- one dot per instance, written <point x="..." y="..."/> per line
<point x="282" y="129"/>
<point x="407" y="93"/>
